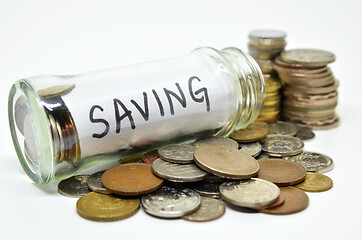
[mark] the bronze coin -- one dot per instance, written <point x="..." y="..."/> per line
<point x="315" y="182"/>
<point x="252" y="133"/>
<point x="150" y="156"/>
<point x="279" y="202"/>
<point x="295" y="201"/>
<point x="131" y="179"/>
<point x="281" y="172"/>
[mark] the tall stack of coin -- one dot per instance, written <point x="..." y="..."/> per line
<point x="310" y="89"/>
<point x="264" y="46"/>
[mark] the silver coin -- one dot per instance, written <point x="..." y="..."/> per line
<point x="283" y="128"/>
<point x="75" y="186"/>
<point x="253" y="148"/>
<point x="253" y="192"/>
<point x="262" y="155"/>
<point x="308" y="57"/>
<point x="313" y="162"/>
<point x="168" y="202"/>
<point x="305" y="133"/>
<point x="281" y="145"/>
<point x="216" y="141"/>
<point x="206" y="189"/>
<point x="177" y="172"/>
<point x="267" y="34"/>
<point x="209" y="210"/>
<point x="177" y="153"/>
<point x="213" y="178"/>
<point x="94" y="183"/>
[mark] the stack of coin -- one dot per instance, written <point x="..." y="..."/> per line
<point x="310" y="89"/>
<point x="264" y="46"/>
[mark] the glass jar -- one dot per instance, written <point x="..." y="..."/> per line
<point x="61" y="125"/>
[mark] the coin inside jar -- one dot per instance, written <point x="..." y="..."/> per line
<point x="183" y="153"/>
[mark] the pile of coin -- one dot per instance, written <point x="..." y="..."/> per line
<point x="192" y="181"/>
<point x="264" y="46"/>
<point x="310" y="89"/>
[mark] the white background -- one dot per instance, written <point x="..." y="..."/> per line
<point x="69" y="37"/>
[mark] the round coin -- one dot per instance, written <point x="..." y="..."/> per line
<point x="206" y="189"/>
<point x="105" y="208"/>
<point x="131" y="179"/>
<point x="279" y="202"/>
<point x="226" y="162"/>
<point x="55" y="90"/>
<point x="177" y="153"/>
<point x="253" y="192"/>
<point x="295" y="201"/>
<point x="216" y="141"/>
<point x="253" y="148"/>
<point x="94" y="183"/>
<point x="308" y="57"/>
<point x="313" y="162"/>
<point x="305" y="133"/>
<point x="209" y="210"/>
<point x="252" y="133"/>
<point x="150" y="156"/>
<point x="75" y="186"/>
<point x="281" y="145"/>
<point x="283" y="128"/>
<point x="281" y="172"/>
<point x="315" y="182"/>
<point x="169" y="202"/>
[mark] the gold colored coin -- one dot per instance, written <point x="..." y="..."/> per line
<point x="252" y="133"/>
<point x="106" y="208"/>
<point x="315" y="182"/>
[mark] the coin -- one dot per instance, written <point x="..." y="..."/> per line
<point x="305" y="133"/>
<point x="295" y="201"/>
<point x="253" y="148"/>
<point x="279" y="202"/>
<point x="252" y="133"/>
<point x="281" y="145"/>
<point x="131" y="179"/>
<point x="308" y="57"/>
<point x="150" y="156"/>
<point x="211" y="178"/>
<point x="262" y="155"/>
<point x="75" y="186"/>
<point x="216" y="141"/>
<point x="177" y="153"/>
<point x="209" y="210"/>
<point x="283" y="128"/>
<point x="253" y="192"/>
<point x="226" y="162"/>
<point x="56" y="90"/>
<point x="206" y="189"/>
<point x="281" y="172"/>
<point x="313" y="162"/>
<point x="267" y="34"/>
<point x="177" y="172"/>
<point x="315" y="182"/>
<point x="105" y="208"/>
<point x="94" y="183"/>
<point x="168" y="202"/>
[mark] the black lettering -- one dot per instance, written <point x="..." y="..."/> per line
<point x="145" y="113"/>
<point x="119" y="118"/>
<point x="181" y="99"/>
<point x="160" y="106"/>
<point x="204" y="90"/>
<point x="98" y="120"/>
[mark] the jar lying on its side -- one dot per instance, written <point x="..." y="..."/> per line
<point x="61" y="125"/>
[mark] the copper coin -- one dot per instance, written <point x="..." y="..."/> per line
<point x="279" y="202"/>
<point x="150" y="156"/>
<point x="281" y="172"/>
<point x="131" y="179"/>
<point x="252" y="133"/>
<point x="295" y="201"/>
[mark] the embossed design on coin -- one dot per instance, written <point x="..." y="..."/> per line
<point x="177" y="172"/>
<point x="75" y="186"/>
<point x="253" y="192"/>
<point x="150" y="156"/>
<point x="252" y="133"/>
<point x="308" y="57"/>
<point x="315" y="182"/>
<point x="209" y="210"/>
<point x="283" y="128"/>
<point x="105" y="208"/>
<point x="169" y="202"/>
<point x="253" y="148"/>
<point x="177" y="153"/>
<point x="280" y="145"/>
<point x="216" y="141"/>
<point x="313" y="162"/>
<point x="206" y="189"/>
<point x="94" y="183"/>
<point x="305" y="133"/>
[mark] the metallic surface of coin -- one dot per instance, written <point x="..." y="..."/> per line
<point x="206" y="189"/>
<point x="280" y="145"/>
<point x="308" y="57"/>
<point x="177" y="153"/>
<point x="295" y="201"/>
<point x="315" y="182"/>
<point x="131" y="179"/>
<point x="253" y="192"/>
<point x="150" y="156"/>
<point x="253" y="148"/>
<point x="177" y="172"/>
<point x="105" y="208"/>
<point x="55" y="90"/>
<point x="267" y="33"/>
<point x="211" y="178"/>
<point x="281" y="172"/>
<point x="226" y="162"/>
<point x="209" y="210"/>
<point x="279" y="202"/>
<point x="169" y="202"/>
<point x="283" y="128"/>
<point x="252" y="133"/>
<point x="216" y="141"/>
<point x="94" y="183"/>
<point x="305" y="133"/>
<point x="313" y="162"/>
<point x="263" y="155"/>
<point x="75" y="186"/>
